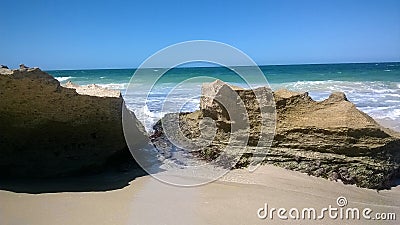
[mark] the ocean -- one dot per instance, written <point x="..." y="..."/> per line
<point x="373" y="87"/>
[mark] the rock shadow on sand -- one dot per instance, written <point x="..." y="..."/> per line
<point x="112" y="178"/>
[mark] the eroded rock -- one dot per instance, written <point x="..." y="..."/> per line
<point x="330" y="139"/>
<point x="48" y="130"/>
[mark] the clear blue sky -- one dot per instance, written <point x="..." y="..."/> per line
<point x="121" y="34"/>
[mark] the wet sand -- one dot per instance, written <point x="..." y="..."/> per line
<point x="234" y="199"/>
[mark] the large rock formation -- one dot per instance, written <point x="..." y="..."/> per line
<point x="330" y="139"/>
<point x="48" y="130"/>
<point x="333" y="139"/>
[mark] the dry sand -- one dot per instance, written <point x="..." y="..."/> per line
<point x="233" y="200"/>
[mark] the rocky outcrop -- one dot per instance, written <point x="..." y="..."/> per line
<point x="48" y="130"/>
<point x="330" y="139"/>
<point x="333" y="139"/>
<point x="334" y="125"/>
<point x="235" y="108"/>
<point x="93" y="90"/>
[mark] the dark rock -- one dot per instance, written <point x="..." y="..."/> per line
<point x="22" y="67"/>
<point x="49" y="130"/>
<point x="334" y="176"/>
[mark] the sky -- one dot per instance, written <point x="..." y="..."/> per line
<point x="122" y="34"/>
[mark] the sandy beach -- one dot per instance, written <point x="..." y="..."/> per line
<point x="199" y="112"/>
<point x="234" y="199"/>
<point x="106" y="188"/>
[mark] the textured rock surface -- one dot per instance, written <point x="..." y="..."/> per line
<point x="333" y="139"/>
<point x="230" y="105"/>
<point x="48" y="130"/>
<point x="330" y="139"/>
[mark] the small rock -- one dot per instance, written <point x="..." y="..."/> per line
<point x="336" y="97"/>
<point x="23" y="67"/>
<point x="334" y="176"/>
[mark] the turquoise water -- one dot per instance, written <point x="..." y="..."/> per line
<point x="275" y="74"/>
<point x="373" y="87"/>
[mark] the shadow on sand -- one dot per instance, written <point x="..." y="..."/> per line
<point x="105" y="181"/>
<point x="115" y="175"/>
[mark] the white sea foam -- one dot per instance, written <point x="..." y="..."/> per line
<point x="147" y="117"/>
<point x="387" y="70"/>
<point x="392" y="95"/>
<point x="392" y="101"/>
<point x="62" y="79"/>
<point x="395" y="113"/>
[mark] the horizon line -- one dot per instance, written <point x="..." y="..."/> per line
<point x="219" y="66"/>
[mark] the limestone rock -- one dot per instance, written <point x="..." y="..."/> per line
<point x="93" y="90"/>
<point x="330" y="139"/>
<point x="49" y="130"/>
